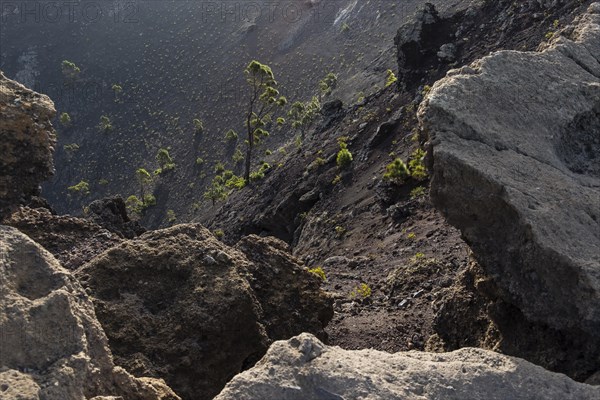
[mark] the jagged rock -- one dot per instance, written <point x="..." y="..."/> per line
<point x="111" y="213"/>
<point x="418" y="43"/>
<point x="26" y="142"/>
<point x="52" y="345"/>
<point x="304" y="368"/>
<point x="514" y="147"/>
<point x="179" y="304"/>
<point x="73" y="241"/>
<point x="290" y="299"/>
<point x="332" y="107"/>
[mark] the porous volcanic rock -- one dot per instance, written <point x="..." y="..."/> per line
<point x="304" y="368"/>
<point x="111" y="213"/>
<point x="290" y="298"/>
<point x="73" y="241"/>
<point x="179" y="304"/>
<point x="52" y="347"/>
<point x="26" y="142"/>
<point x="515" y="153"/>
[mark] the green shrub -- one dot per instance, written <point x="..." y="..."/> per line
<point x="82" y="188"/>
<point x="149" y="200"/>
<point x="69" y="69"/>
<point x="198" y="125"/>
<point x="344" y="157"/>
<point x="256" y="176"/>
<point x="71" y="148"/>
<point x="171" y="216"/>
<point x="219" y="233"/>
<point x="416" y="165"/>
<point x="219" y="168"/>
<point x="105" y="124"/>
<point x="65" y="119"/>
<point x="164" y="160"/>
<point x="235" y="182"/>
<point x="396" y="172"/>
<point x="318" y="271"/>
<point x="391" y="78"/>
<point x="419" y="191"/>
<point x="134" y="204"/>
<point x="231" y="136"/>
<point x="238" y="156"/>
<point x="363" y="290"/>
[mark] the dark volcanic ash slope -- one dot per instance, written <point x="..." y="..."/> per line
<point x="361" y="230"/>
<point x="176" y="61"/>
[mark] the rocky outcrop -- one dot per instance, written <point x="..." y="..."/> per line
<point x="73" y="241"/>
<point x="291" y="303"/>
<point x="26" y="142"/>
<point x="179" y="304"/>
<point x="417" y="44"/>
<point x="111" y="213"/>
<point x="303" y="368"/>
<point x="52" y="345"/>
<point x="514" y="149"/>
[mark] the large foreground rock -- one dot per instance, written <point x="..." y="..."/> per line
<point x="52" y="347"/>
<point x="179" y="304"/>
<point x="515" y="152"/>
<point x="26" y="142"/>
<point x="304" y="368"/>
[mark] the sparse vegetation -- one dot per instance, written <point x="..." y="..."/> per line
<point x="65" y="119"/>
<point x="264" y="100"/>
<point x="396" y="172"/>
<point x="71" y="148"/>
<point x="417" y="192"/>
<point x="219" y="167"/>
<point x="238" y="156"/>
<point x="340" y="231"/>
<point x="117" y="89"/>
<point x="82" y="188"/>
<point x="144" y="179"/>
<point x="69" y="69"/>
<point x="327" y="84"/>
<point x="216" y="191"/>
<point x="318" y="271"/>
<point x="171" y="216"/>
<point x="164" y="160"/>
<point x="303" y="115"/>
<point x="231" y="136"/>
<point x="391" y="78"/>
<point x="362" y="291"/>
<point x="344" y="157"/>
<point x="198" y="125"/>
<point x="105" y="124"/>
<point x="416" y="165"/>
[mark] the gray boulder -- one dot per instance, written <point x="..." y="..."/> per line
<point x="52" y="347"/>
<point x="514" y="145"/>
<point x="304" y="368"/>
